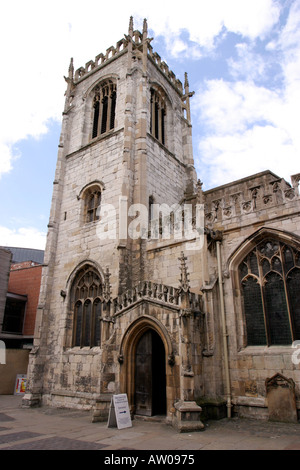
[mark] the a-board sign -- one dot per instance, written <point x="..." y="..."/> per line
<point x="119" y="415"/>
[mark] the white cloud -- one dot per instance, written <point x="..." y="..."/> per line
<point x="251" y="19"/>
<point x="228" y="107"/>
<point x="41" y="37"/>
<point x="249" y="65"/>
<point x="249" y="128"/>
<point x="6" y="159"/>
<point x="205" y="20"/>
<point x="234" y="156"/>
<point x="23" y="237"/>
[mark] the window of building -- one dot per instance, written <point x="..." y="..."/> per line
<point x="92" y="203"/>
<point x="86" y="293"/>
<point x="104" y="108"/>
<point x="158" y="115"/>
<point x="270" y="286"/>
<point x="14" y="313"/>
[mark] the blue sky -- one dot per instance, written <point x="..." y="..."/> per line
<point x="243" y="62"/>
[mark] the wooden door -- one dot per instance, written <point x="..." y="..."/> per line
<point x="143" y="375"/>
<point x="150" y="375"/>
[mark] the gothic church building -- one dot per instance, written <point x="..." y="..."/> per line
<point x="175" y="322"/>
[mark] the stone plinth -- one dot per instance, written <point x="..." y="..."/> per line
<point x="186" y="417"/>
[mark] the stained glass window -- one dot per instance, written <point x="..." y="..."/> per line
<point x="270" y="287"/>
<point x="86" y="292"/>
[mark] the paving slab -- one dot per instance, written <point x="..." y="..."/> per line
<point x="59" y="429"/>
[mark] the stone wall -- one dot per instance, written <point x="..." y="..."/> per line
<point x="262" y="204"/>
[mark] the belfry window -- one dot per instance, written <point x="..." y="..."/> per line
<point x="270" y="286"/>
<point x="104" y="108"/>
<point x="158" y="115"/>
<point x="86" y="292"/>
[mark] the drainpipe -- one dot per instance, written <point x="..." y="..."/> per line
<point x="225" y="345"/>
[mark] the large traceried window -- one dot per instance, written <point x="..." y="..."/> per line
<point x="270" y="286"/>
<point x="104" y="108"/>
<point x="86" y="300"/>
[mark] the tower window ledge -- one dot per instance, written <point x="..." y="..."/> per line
<point x="95" y="141"/>
<point x="105" y="135"/>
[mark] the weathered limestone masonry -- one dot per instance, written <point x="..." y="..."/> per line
<point x="160" y="318"/>
<point x="247" y="212"/>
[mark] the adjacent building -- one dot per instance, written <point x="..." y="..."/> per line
<point x="21" y="271"/>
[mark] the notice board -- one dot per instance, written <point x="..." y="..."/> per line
<point x="119" y="415"/>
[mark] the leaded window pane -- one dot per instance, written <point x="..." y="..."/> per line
<point x="265" y="266"/>
<point x="270" y="285"/>
<point x="256" y="334"/>
<point x="87" y="323"/>
<point x="97" y="314"/>
<point x="243" y="270"/>
<point x="268" y="248"/>
<point x="87" y="309"/>
<point x="78" y="323"/>
<point x="276" y="265"/>
<point x="293" y="287"/>
<point x="289" y="259"/>
<point x="253" y="263"/>
<point x="276" y="310"/>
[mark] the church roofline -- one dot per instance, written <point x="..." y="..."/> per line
<point x="242" y="180"/>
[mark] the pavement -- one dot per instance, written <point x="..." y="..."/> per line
<point x="47" y="428"/>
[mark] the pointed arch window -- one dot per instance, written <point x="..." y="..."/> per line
<point x="270" y="287"/>
<point x="105" y="99"/>
<point x="86" y="294"/>
<point x="91" y="196"/>
<point x="93" y="202"/>
<point x="158" y="115"/>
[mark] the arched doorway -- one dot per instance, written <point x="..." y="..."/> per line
<point x="163" y="373"/>
<point x="150" y="375"/>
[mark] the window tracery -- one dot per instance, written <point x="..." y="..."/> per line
<point x="270" y="286"/>
<point x="86" y="298"/>
<point x="92" y="203"/>
<point x="105" y="99"/>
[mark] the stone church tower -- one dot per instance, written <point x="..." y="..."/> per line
<point x="125" y="141"/>
<point x="130" y="301"/>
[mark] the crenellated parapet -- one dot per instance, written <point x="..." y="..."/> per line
<point x="137" y="43"/>
<point x="248" y="196"/>
<point x="101" y="59"/>
<point x="156" y="59"/>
